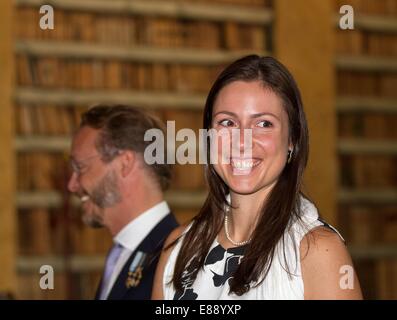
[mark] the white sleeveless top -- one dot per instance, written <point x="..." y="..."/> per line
<point x="212" y="282"/>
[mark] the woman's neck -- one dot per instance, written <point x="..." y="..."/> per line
<point x="244" y="214"/>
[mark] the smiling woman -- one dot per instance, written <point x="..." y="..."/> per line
<point x="246" y="105"/>
<point x="257" y="236"/>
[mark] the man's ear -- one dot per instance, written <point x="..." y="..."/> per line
<point x="128" y="162"/>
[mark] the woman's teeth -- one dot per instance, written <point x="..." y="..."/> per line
<point x="243" y="164"/>
<point x="84" y="198"/>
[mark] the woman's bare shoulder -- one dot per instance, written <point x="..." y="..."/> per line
<point x="324" y="258"/>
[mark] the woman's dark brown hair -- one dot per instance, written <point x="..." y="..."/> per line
<point x="282" y="205"/>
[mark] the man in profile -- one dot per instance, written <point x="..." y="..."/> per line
<point x="121" y="192"/>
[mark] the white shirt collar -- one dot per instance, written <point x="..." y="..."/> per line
<point x="134" y="232"/>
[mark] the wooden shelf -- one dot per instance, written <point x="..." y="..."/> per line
<point x="42" y="143"/>
<point x="45" y="199"/>
<point x="373" y="251"/>
<point x="353" y="146"/>
<point x="372" y="23"/>
<point x="57" y="144"/>
<point x="53" y="199"/>
<point x="349" y="104"/>
<point x="73" y="263"/>
<point x="185" y="199"/>
<point x="366" y="63"/>
<point x="376" y="196"/>
<point x="376" y="23"/>
<point x="131" y="53"/>
<point x="174" y="9"/>
<point x="61" y="97"/>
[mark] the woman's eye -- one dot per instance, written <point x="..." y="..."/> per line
<point x="265" y="124"/>
<point x="226" y="123"/>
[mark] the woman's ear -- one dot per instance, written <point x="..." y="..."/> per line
<point x="128" y="162"/>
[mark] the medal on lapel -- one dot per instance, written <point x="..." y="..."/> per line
<point x="135" y="270"/>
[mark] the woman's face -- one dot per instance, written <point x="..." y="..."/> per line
<point x="248" y="105"/>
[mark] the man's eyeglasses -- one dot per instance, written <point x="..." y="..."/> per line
<point x="78" y="166"/>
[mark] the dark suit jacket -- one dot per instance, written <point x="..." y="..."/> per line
<point x="134" y="284"/>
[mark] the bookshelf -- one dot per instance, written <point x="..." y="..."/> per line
<point x="254" y="12"/>
<point x="161" y="55"/>
<point x="366" y="78"/>
<point x="147" y="98"/>
<point x="356" y="104"/>
<point x="127" y="53"/>
<point x="299" y="28"/>
<point x="50" y="199"/>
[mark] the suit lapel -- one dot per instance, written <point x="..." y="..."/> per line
<point x="142" y="261"/>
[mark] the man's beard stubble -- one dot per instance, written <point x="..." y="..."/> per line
<point x="104" y="195"/>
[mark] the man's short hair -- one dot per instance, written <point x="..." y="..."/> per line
<point x="123" y="127"/>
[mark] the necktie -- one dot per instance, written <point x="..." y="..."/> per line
<point x="111" y="261"/>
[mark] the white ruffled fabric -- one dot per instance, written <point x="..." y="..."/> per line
<point x="279" y="284"/>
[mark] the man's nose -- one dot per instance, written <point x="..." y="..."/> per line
<point x="73" y="184"/>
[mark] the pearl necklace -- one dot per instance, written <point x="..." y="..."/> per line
<point x="237" y="244"/>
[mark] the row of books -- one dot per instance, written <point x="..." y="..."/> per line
<point x="377" y="7"/>
<point x="51" y="72"/>
<point x="67" y="285"/>
<point x="377" y="278"/>
<point x="368" y="224"/>
<point x="358" y="42"/>
<point x="60" y="231"/>
<point x="126" y="30"/>
<point x="55" y="120"/>
<point x="113" y="74"/>
<point x="46" y="233"/>
<point x="41" y="171"/>
<point x="386" y="285"/>
<point x="363" y="224"/>
<point x="47" y="120"/>
<point x="363" y="83"/>
<point x="360" y="172"/>
<point x="245" y="3"/>
<point x="368" y="125"/>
